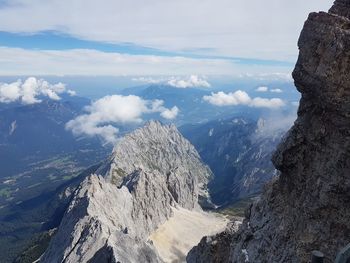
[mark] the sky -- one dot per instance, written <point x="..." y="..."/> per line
<point x="157" y="37"/>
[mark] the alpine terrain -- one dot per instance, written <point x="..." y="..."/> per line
<point x="238" y="150"/>
<point x="152" y="175"/>
<point x="307" y="207"/>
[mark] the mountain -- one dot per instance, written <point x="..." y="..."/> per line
<point x="193" y="109"/>
<point x="26" y="226"/>
<point x="38" y="156"/>
<point x="152" y="173"/>
<point x="37" y="150"/>
<point x="238" y="150"/>
<point x="307" y="207"/>
<point x="31" y="132"/>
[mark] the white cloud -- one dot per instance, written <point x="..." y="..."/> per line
<point x="223" y="99"/>
<point x="71" y="92"/>
<point x="276" y="90"/>
<point x="266" y="103"/>
<point x="84" y="62"/>
<point x="242" y="98"/>
<point x="109" y="110"/>
<point x="10" y="92"/>
<point x="209" y="27"/>
<point x="274" y="124"/>
<point x="170" y="114"/>
<point x="266" y="89"/>
<point x="27" y="92"/>
<point x="192" y="81"/>
<point x="148" y="80"/>
<point x="17" y="61"/>
<point x="262" y="89"/>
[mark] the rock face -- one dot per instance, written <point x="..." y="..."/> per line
<point x="307" y="207"/>
<point x="114" y="211"/>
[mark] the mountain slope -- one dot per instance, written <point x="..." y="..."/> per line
<point x="307" y="207"/>
<point x="29" y="133"/>
<point x="238" y="151"/>
<point x="24" y="224"/>
<point x="113" y="212"/>
<point x="37" y="156"/>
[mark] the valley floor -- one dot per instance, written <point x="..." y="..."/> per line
<point x="184" y="230"/>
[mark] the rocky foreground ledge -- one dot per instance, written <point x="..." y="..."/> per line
<point x="307" y="208"/>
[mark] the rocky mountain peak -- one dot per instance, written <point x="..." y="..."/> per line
<point x="321" y="73"/>
<point x="306" y="208"/>
<point x="341" y="8"/>
<point x="158" y="147"/>
<point x="113" y="212"/>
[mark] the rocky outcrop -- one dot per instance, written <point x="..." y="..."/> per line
<point x="214" y="248"/>
<point x="160" y="148"/>
<point x="114" y="211"/>
<point x="307" y="207"/>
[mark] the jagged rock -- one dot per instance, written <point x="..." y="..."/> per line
<point x="114" y="211"/>
<point x="161" y="148"/>
<point x="212" y="249"/>
<point x="341" y="7"/>
<point x="307" y="207"/>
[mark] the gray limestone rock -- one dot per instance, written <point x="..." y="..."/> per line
<point x="114" y="211"/>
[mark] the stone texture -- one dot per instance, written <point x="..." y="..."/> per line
<point x="341" y="8"/>
<point x="214" y="248"/>
<point x="307" y="207"/>
<point x="114" y="211"/>
<point x="161" y="148"/>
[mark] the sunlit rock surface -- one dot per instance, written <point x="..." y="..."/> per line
<point x="113" y="212"/>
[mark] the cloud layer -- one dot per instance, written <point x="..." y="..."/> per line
<point x="267" y="89"/>
<point x="87" y="62"/>
<point x="193" y="81"/>
<point x="274" y="124"/>
<point x="276" y="90"/>
<point x="240" y="97"/>
<point x="262" y="89"/>
<point x="16" y="61"/>
<point x="116" y="109"/>
<point x="29" y="91"/>
<point x="203" y="27"/>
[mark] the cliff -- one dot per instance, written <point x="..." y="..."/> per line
<point x="307" y="207"/>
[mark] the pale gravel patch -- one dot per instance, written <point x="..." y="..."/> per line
<point x="175" y="238"/>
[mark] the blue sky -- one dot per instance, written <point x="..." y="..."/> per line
<point x="57" y="41"/>
<point x="162" y="37"/>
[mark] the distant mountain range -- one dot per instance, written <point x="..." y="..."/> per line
<point x="239" y="154"/>
<point x="39" y="158"/>
<point x="36" y="149"/>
